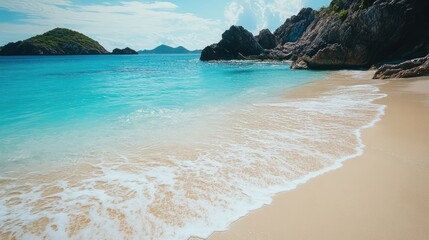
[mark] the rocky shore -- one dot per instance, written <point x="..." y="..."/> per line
<point x="412" y="68"/>
<point x="347" y="34"/>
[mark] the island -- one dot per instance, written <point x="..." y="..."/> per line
<point x="124" y="51"/>
<point x="59" y="41"/>
<point x="164" y="49"/>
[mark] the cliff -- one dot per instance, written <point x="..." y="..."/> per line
<point x="59" y="41"/>
<point x="360" y="33"/>
<point x="346" y="34"/>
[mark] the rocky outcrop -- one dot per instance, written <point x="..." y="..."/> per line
<point x="236" y="43"/>
<point x="412" y="68"/>
<point x="294" y="27"/>
<point x="124" y="51"/>
<point x="58" y="41"/>
<point x="347" y="34"/>
<point x="266" y="39"/>
<point x="359" y="33"/>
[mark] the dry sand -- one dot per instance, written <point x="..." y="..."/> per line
<point x="383" y="194"/>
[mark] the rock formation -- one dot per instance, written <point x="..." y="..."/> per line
<point x="294" y="27"/>
<point x="266" y="39"/>
<point x="58" y="41"/>
<point x="346" y="34"/>
<point x="359" y="33"/>
<point x="126" y="50"/>
<point x="236" y="43"/>
<point x="412" y="68"/>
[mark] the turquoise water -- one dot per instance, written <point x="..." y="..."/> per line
<point x="57" y="100"/>
<point x="163" y="146"/>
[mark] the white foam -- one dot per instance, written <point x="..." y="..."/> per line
<point x="179" y="190"/>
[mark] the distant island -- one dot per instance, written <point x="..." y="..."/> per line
<point x="59" y="41"/>
<point x="62" y="41"/>
<point x="164" y="49"/>
<point x="126" y="50"/>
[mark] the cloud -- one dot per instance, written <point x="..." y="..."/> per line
<point x="256" y="15"/>
<point x="233" y="11"/>
<point x="130" y="23"/>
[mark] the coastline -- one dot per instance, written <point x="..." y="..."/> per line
<point x="325" y="117"/>
<point x="381" y="194"/>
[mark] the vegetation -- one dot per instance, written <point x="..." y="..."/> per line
<point x="343" y="14"/>
<point x="365" y="4"/>
<point x="337" y="5"/>
<point x="60" y="37"/>
<point x="339" y="8"/>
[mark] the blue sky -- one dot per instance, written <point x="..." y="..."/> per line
<point x="145" y="24"/>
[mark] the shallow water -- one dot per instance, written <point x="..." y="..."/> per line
<point x="163" y="146"/>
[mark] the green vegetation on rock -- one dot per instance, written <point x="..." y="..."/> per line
<point x="59" y="37"/>
<point x="59" y="41"/>
<point x="365" y="4"/>
<point x="343" y="14"/>
<point x="337" y="6"/>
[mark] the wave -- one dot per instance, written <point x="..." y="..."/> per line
<point x="174" y="190"/>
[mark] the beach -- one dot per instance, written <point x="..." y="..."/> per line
<point x="265" y="162"/>
<point x="220" y="120"/>
<point x="381" y="194"/>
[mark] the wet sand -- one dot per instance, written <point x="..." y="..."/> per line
<point x="383" y="194"/>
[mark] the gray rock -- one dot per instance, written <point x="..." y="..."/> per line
<point x="412" y="68"/>
<point x="235" y="41"/>
<point x="266" y="39"/>
<point x="299" y="64"/>
<point x="294" y="27"/>
<point x="347" y="34"/>
<point x="384" y="30"/>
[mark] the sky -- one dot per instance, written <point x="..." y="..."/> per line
<point x="143" y="24"/>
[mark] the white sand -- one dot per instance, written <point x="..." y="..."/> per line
<point x="383" y="194"/>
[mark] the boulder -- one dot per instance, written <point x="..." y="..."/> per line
<point x="266" y="39"/>
<point x="216" y="52"/>
<point x="412" y="68"/>
<point x="299" y="64"/>
<point x="236" y="43"/>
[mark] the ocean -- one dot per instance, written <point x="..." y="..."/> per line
<point x="162" y="146"/>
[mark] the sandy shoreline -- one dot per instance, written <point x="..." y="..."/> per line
<point x="382" y="194"/>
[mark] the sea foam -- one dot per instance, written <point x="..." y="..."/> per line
<point x="192" y="188"/>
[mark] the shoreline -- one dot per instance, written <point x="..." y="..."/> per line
<point x="313" y="209"/>
<point x="326" y="112"/>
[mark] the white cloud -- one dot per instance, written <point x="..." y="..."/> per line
<point x="232" y="13"/>
<point x="134" y="24"/>
<point x="256" y="15"/>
